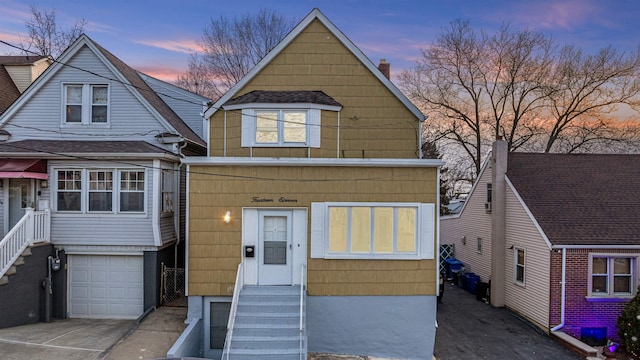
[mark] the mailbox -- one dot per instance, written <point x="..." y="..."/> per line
<point x="249" y="251"/>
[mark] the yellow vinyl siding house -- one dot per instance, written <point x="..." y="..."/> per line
<point x="315" y="181"/>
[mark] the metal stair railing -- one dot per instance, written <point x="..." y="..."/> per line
<point x="303" y="285"/>
<point x="34" y="227"/>
<point x="234" y="309"/>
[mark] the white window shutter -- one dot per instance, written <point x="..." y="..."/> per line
<point x="317" y="230"/>
<point x="427" y="231"/>
<point x="248" y="127"/>
<point x="314" y="128"/>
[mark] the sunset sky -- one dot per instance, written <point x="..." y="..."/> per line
<point x="156" y="37"/>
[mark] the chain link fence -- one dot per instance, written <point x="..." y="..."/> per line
<point x="173" y="280"/>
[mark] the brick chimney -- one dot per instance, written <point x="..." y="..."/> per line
<point x="385" y="68"/>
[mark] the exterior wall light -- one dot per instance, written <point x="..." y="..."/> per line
<point x="227" y="217"/>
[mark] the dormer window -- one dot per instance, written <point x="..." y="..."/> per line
<point x="280" y="127"/>
<point x="86" y="104"/>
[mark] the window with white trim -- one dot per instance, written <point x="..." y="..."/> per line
<point x="372" y="230"/>
<point x="281" y="127"/>
<point x="86" y="104"/>
<point x="611" y="275"/>
<point x="167" y="191"/>
<point x="519" y="260"/>
<point x="98" y="191"/>
<point x="69" y="189"/>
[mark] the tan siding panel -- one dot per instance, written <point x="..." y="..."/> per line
<point x="216" y="247"/>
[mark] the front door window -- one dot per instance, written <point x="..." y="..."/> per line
<point x="20" y="198"/>
<point x="275" y="254"/>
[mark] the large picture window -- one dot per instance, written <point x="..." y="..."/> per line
<point x="612" y="275"/>
<point x="372" y="230"/>
<point x="100" y="190"/>
<point x="86" y="104"/>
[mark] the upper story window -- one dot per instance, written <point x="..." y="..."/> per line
<point x="99" y="191"/>
<point x="519" y="265"/>
<point x="86" y="104"/>
<point x="167" y="191"/>
<point x="612" y="276"/>
<point x="281" y="128"/>
<point x="372" y="230"/>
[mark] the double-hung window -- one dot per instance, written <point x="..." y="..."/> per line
<point x="86" y="104"/>
<point x="281" y="127"/>
<point x="100" y="190"/>
<point x="167" y="191"/>
<point x="131" y="191"/>
<point x="519" y="264"/>
<point x="69" y="189"/>
<point x="372" y="230"/>
<point x="611" y="275"/>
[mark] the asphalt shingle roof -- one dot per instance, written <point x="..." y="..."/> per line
<point x="19" y="59"/>
<point x="8" y="90"/>
<point x="581" y="199"/>
<point x="281" y="97"/>
<point x="50" y="148"/>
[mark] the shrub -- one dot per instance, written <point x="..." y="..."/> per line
<point x="629" y="326"/>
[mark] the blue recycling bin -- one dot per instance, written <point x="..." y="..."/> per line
<point x="452" y="265"/>
<point x="470" y="283"/>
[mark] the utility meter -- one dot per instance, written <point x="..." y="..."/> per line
<point x="55" y="264"/>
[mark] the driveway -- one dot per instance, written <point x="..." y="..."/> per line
<point x="470" y="329"/>
<point x="92" y="339"/>
<point x="70" y="339"/>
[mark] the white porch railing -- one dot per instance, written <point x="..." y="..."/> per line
<point x="34" y="227"/>
<point x="234" y="309"/>
<point x="303" y="285"/>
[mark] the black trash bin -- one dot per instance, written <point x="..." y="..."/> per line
<point x="481" y="290"/>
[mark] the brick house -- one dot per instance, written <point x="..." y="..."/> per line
<point x="561" y="237"/>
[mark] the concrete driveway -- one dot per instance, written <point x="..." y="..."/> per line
<point x="470" y="329"/>
<point x="70" y="339"/>
<point x="92" y="339"/>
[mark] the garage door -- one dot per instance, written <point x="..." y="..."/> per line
<point x="103" y="286"/>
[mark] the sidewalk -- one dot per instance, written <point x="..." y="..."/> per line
<point x="152" y="338"/>
<point x="470" y="329"/>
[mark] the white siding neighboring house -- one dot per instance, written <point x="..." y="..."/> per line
<point x="563" y="238"/>
<point x="108" y="150"/>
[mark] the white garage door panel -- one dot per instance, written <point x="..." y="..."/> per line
<point x="104" y="286"/>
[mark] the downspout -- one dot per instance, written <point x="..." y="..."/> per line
<point x="563" y="291"/>
<point x="177" y="219"/>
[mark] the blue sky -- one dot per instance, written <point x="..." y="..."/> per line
<point x="156" y="37"/>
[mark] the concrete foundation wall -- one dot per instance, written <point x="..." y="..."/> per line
<point x="385" y="326"/>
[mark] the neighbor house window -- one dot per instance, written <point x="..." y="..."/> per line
<point x="612" y="275"/>
<point x="370" y="231"/>
<point x="100" y="190"/>
<point x="479" y="246"/>
<point x="167" y="191"/>
<point x="69" y="190"/>
<point x="131" y="191"/>
<point x="86" y="104"/>
<point x="519" y="265"/>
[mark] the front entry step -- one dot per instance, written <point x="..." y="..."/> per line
<point x="267" y="324"/>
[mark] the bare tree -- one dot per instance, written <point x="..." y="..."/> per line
<point x="584" y="93"/>
<point x="45" y="36"/>
<point x="230" y="48"/>
<point x="519" y="86"/>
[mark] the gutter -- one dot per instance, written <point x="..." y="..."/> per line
<point x="563" y="292"/>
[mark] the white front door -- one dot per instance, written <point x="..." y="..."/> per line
<point x="275" y="247"/>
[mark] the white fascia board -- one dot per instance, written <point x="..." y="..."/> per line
<point x="309" y="162"/>
<point x="473" y="188"/>
<point x="529" y="214"/>
<point x="282" y="106"/>
<point x="604" y="247"/>
<point x="315" y="14"/>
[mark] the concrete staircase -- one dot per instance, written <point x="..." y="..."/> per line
<point x="14" y="268"/>
<point x="267" y="324"/>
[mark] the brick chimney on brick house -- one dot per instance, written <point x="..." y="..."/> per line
<point x="385" y="68"/>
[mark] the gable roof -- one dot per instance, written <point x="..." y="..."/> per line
<point x="580" y="199"/>
<point x="8" y="90"/>
<point x="20" y="59"/>
<point x="126" y="75"/>
<point x="313" y="15"/>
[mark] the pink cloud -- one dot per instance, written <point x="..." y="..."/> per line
<point x="567" y="14"/>
<point x="182" y="46"/>
<point x="168" y="74"/>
